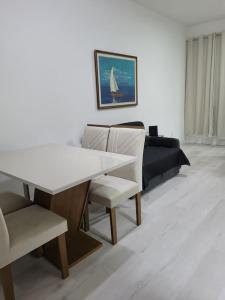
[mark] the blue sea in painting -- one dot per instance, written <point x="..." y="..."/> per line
<point x="128" y="94"/>
<point x="117" y="74"/>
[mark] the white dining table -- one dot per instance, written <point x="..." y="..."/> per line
<point x="61" y="176"/>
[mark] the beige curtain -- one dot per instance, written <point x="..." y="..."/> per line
<point x="221" y="98"/>
<point x="205" y="89"/>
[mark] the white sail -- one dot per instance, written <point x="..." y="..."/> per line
<point x="113" y="84"/>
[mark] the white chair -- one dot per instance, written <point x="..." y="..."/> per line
<point x="10" y="202"/>
<point x="23" y="231"/>
<point x="112" y="189"/>
<point x="95" y="137"/>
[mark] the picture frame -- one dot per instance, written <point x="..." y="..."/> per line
<point x="116" y="80"/>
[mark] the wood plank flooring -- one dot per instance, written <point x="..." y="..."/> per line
<point x="178" y="253"/>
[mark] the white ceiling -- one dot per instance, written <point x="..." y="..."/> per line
<point x="188" y="12"/>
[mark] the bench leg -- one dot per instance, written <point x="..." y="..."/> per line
<point x="7" y="282"/>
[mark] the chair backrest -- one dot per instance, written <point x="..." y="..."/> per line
<point x="95" y="137"/>
<point x="129" y="142"/>
<point x="4" y="241"/>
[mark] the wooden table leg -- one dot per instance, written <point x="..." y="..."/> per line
<point x="86" y="219"/>
<point x="69" y="204"/>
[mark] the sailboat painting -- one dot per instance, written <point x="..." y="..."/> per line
<point x="116" y="79"/>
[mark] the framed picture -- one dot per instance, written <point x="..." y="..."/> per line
<point x="116" y="80"/>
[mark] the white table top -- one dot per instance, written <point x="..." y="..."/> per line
<point x="55" y="168"/>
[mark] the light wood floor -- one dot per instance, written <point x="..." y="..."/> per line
<point x="177" y="253"/>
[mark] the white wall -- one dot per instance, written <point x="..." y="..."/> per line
<point x="205" y="28"/>
<point x="47" y="79"/>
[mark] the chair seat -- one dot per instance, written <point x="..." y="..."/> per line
<point x="31" y="227"/>
<point x="10" y="202"/>
<point x="110" y="191"/>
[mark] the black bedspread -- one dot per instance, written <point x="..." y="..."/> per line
<point x="157" y="160"/>
<point x="162" y="158"/>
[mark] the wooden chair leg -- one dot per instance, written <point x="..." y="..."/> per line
<point x="112" y="212"/>
<point x="86" y="219"/>
<point x="63" y="255"/>
<point x="39" y="252"/>
<point x="138" y="208"/>
<point x="7" y="282"/>
<point x="26" y="191"/>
